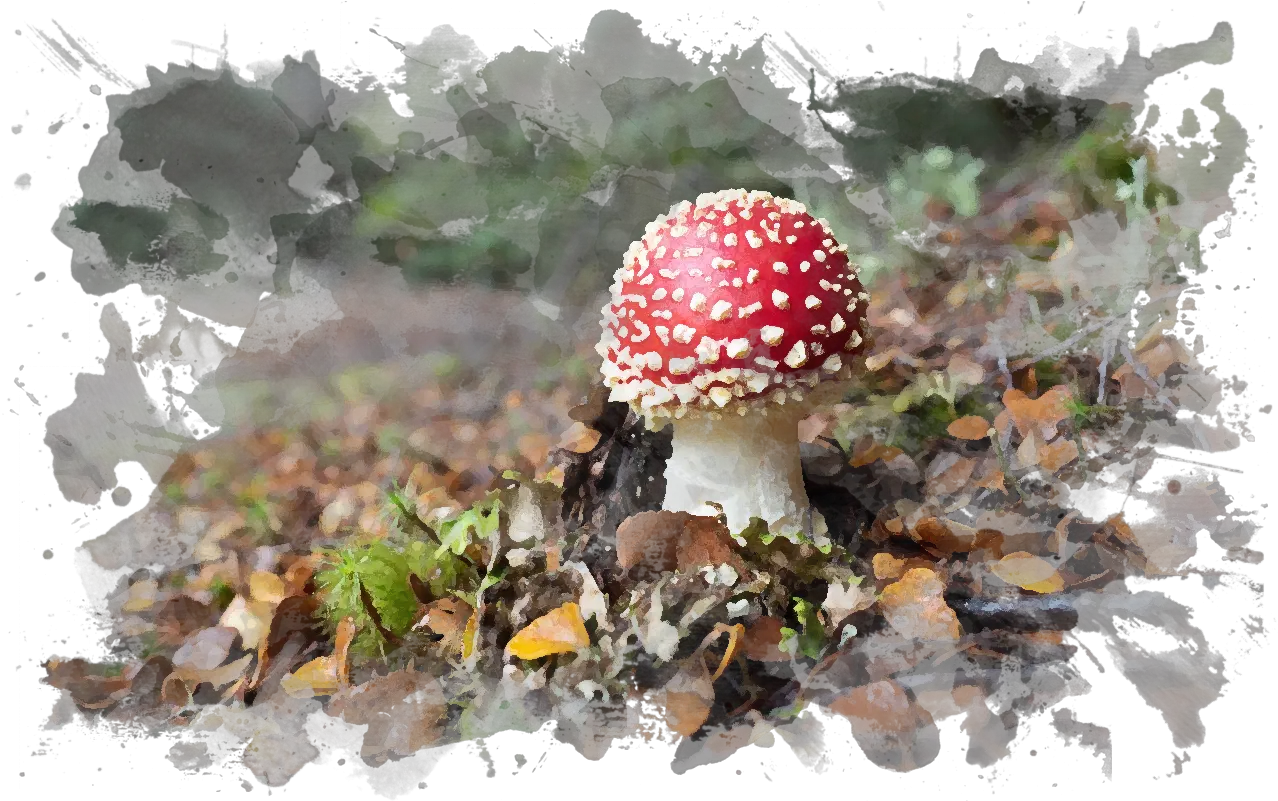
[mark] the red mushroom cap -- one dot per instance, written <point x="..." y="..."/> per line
<point x="730" y="303"/>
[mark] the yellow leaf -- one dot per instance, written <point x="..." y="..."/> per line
<point x="468" y="635"/>
<point x="559" y="631"/>
<point x="266" y="586"/>
<point x="1028" y="572"/>
<point x="915" y="606"/>
<point x="316" y="677"/>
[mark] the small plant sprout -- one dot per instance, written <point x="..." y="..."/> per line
<point x="732" y="319"/>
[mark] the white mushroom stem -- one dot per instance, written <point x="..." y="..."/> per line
<point x="747" y="465"/>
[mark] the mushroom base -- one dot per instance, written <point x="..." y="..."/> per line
<point x="747" y="465"/>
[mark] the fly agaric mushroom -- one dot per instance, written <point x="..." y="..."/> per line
<point x="731" y="319"/>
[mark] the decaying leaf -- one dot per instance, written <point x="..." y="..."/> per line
<point x="656" y="542"/>
<point x="887" y="566"/>
<point x="1039" y="414"/>
<point x="1055" y="455"/>
<point x="970" y="427"/>
<point x="294" y="615"/>
<point x="206" y="649"/>
<point x="915" y="606"/>
<point x="688" y="697"/>
<point x="559" y="631"/>
<point x="948" y="474"/>
<point x="944" y="536"/>
<point x="892" y="729"/>
<point x="447" y="617"/>
<point x="1001" y="533"/>
<point x="1029" y="572"/>
<point x="316" y="677"/>
<point x="404" y="712"/>
<point x="91" y="686"/>
<point x="579" y="438"/>
<point x="762" y="638"/>
<point x="867" y="451"/>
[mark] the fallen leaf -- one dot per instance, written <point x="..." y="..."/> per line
<point x="404" y="712"/>
<point x="1157" y="352"/>
<point x="316" y="677"/>
<point x="180" y="617"/>
<point x="559" y="631"/>
<point x="251" y="619"/>
<point x="915" y="606"/>
<point x="970" y="427"/>
<point x="206" y="649"/>
<point x="992" y="477"/>
<point x="867" y="451"/>
<point x="1040" y="414"/>
<point x="579" y="438"/>
<point x="688" y="697"/>
<point x="813" y="426"/>
<point x="1154" y="335"/>
<point x="266" y="587"/>
<point x="658" y="542"/>
<point x="762" y="638"/>
<point x="447" y="617"/>
<point x="274" y="758"/>
<point x="1133" y="386"/>
<point x="891" y="728"/>
<point x="141" y="595"/>
<point x="948" y="474"/>
<point x="887" y="566"/>
<point x="841" y="601"/>
<point x="1028" y="572"/>
<point x="1000" y="533"/>
<point x="946" y="536"/>
<point x="1057" y="540"/>
<point x="966" y="371"/>
<point x="87" y="683"/>
<point x="1055" y="455"/>
<point x="294" y="615"/>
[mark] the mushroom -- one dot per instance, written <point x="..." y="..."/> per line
<point x="731" y="319"/>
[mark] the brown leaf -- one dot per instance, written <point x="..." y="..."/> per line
<point x="970" y="428"/>
<point x="148" y="680"/>
<point x="447" y="617"/>
<point x="206" y="649"/>
<point x="945" y="536"/>
<point x="991" y="477"/>
<point x="89" y="685"/>
<point x="180" y="617"/>
<point x="762" y="638"/>
<point x="891" y="728"/>
<point x="915" y="606"/>
<point x="579" y="438"/>
<point x="404" y="712"/>
<point x="294" y="615"/>
<point x="1055" y="455"/>
<point x="274" y="758"/>
<point x="688" y="697"/>
<point x="948" y="474"/>
<point x="657" y="542"/>
<point x="1039" y="414"/>
<point x="1028" y="572"/>
<point x="867" y="451"/>
<point x="966" y="371"/>
<point x="1133" y="386"/>
<point x="1158" y="351"/>
<point x="1001" y="533"/>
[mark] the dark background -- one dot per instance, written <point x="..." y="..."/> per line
<point x="63" y="69"/>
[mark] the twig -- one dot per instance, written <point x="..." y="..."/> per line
<point x="1107" y="354"/>
<point x="1001" y="354"/>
